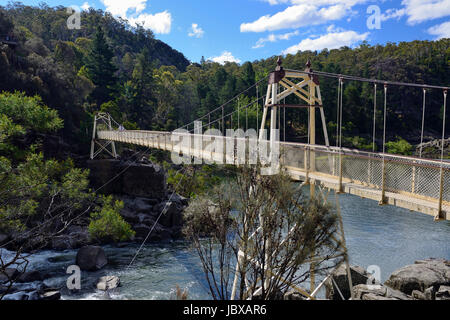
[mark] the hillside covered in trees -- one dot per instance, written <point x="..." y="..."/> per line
<point x="110" y="66"/>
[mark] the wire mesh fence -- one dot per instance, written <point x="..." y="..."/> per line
<point x="403" y="175"/>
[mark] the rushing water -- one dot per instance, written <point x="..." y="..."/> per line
<point x="385" y="236"/>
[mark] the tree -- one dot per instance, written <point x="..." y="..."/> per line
<point x="401" y="146"/>
<point x="247" y="221"/>
<point x="100" y="68"/>
<point x="39" y="198"/>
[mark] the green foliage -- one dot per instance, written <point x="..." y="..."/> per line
<point x="29" y="112"/>
<point x="101" y="69"/>
<point x="357" y="142"/>
<point x="194" y="180"/>
<point x="107" y="223"/>
<point x="400" y="146"/>
<point x="19" y="114"/>
<point x="36" y="189"/>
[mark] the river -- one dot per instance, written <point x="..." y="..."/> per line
<point x="385" y="236"/>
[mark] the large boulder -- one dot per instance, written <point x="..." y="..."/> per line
<point x="108" y="283"/>
<point x="128" y="178"/>
<point x="377" y="292"/>
<point x="443" y="293"/>
<point x="144" y="180"/>
<point x="158" y="233"/>
<point x="359" y="276"/>
<point x="91" y="258"/>
<point x="75" y="237"/>
<point x="420" y="276"/>
<point x="173" y="214"/>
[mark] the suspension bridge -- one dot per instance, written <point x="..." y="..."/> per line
<point x="414" y="183"/>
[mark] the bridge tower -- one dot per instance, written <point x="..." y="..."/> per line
<point x="306" y="86"/>
<point x="103" y="121"/>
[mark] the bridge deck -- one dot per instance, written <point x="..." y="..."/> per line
<point x="409" y="182"/>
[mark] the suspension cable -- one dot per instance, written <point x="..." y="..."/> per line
<point x="384" y="121"/>
<point x="347" y="77"/>
<point x="341" y="112"/>
<point x="423" y="122"/>
<point x="338" y="112"/>
<point x="239" y="124"/>
<point x="257" y="111"/>
<point x="443" y="127"/>
<point x="374" y="116"/>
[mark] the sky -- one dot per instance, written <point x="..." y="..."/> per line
<point x="248" y="30"/>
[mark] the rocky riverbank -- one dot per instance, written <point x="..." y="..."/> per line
<point x="142" y="187"/>
<point x="427" y="279"/>
<point x="424" y="280"/>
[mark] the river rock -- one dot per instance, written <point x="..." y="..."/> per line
<point x="91" y="258"/>
<point x="75" y="237"/>
<point x="377" y="292"/>
<point x="145" y="180"/>
<point x="30" y="276"/>
<point x="430" y="293"/>
<point x="108" y="283"/>
<point x="173" y="214"/>
<point x="142" y="205"/>
<point x="443" y="293"/>
<point x="420" y="276"/>
<point x="3" y="238"/>
<point x="359" y="276"/>
<point x="9" y="274"/>
<point x="132" y="179"/>
<point x="159" y="233"/>
<point x="51" y="294"/>
<point x="17" y="296"/>
<point x="293" y="295"/>
<point x="129" y="216"/>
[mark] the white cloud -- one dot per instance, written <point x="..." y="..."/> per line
<point x="295" y="17"/>
<point x="131" y="10"/>
<point x="393" y="14"/>
<point x="159" y="23"/>
<point x="422" y="10"/>
<point x="120" y="8"/>
<point x="333" y="29"/>
<point x="317" y="2"/>
<point x="274" y="38"/>
<point x="441" y="30"/>
<point x="86" y="6"/>
<point x="226" y="56"/>
<point x="330" y="41"/>
<point x="196" y="31"/>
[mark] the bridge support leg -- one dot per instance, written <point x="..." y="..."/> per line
<point x="102" y="119"/>
<point x="383" y="184"/>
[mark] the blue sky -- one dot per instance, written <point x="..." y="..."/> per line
<point x="247" y="30"/>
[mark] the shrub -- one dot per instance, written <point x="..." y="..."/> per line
<point x="401" y="146"/>
<point x="107" y="223"/>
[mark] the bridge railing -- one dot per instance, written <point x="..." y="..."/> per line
<point x="408" y="175"/>
<point x="386" y="172"/>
